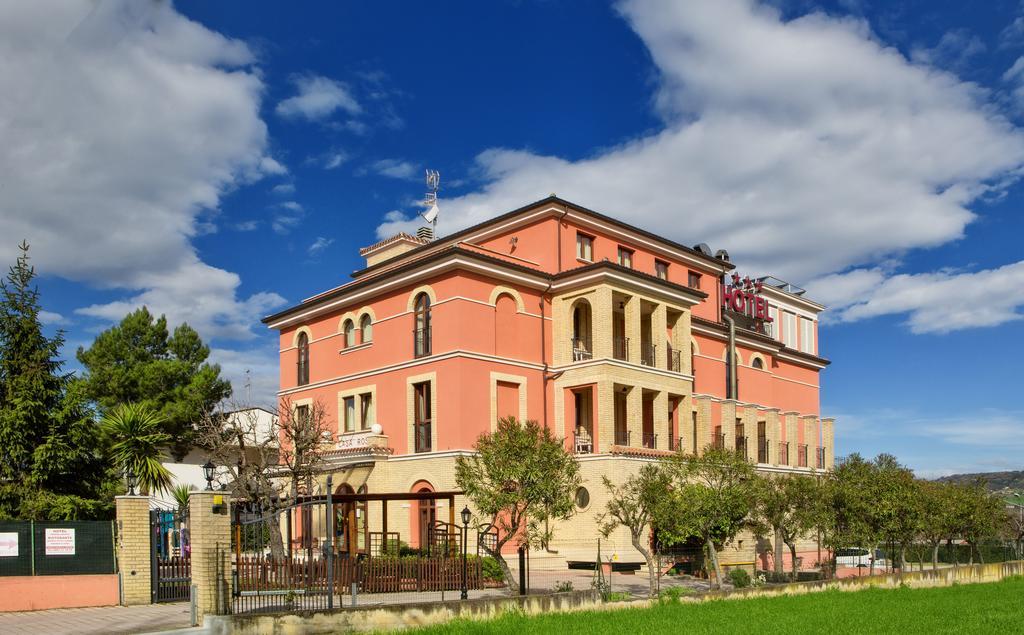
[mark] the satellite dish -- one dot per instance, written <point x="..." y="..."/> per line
<point x="431" y="214"/>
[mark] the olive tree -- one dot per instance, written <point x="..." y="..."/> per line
<point x="629" y="506"/>
<point x="785" y="505"/>
<point x="520" y="478"/>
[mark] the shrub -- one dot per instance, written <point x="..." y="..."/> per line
<point x="739" y="578"/>
<point x="563" y="587"/>
<point x="672" y="594"/>
<point x="491" y="570"/>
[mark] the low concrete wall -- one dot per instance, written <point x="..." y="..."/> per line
<point x="35" y="593"/>
<point x="399" y="616"/>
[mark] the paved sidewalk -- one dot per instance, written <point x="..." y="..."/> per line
<point x="99" y="620"/>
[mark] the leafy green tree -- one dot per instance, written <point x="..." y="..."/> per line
<point x="938" y="519"/>
<point x="520" y="477"/>
<point x="852" y="506"/>
<point x="710" y="498"/>
<point x="137" y="361"/>
<point x="136" y="443"/>
<point x="785" y="505"/>
<point x="629" y="506"/>
<point x="983" y="520"/>
<point x="897" y="511"/>
<point x="51" y="459"/>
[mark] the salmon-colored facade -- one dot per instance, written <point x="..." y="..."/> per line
<point x="613" y="337"/>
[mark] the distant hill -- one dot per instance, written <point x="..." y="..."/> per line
<point x="995" y="481"/>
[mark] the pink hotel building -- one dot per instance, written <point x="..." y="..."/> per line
<point x="615" y="338"/>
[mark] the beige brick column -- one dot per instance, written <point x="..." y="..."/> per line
<point x="211" y="552"/>
<point x="704" y="427"/>
<point x="632" y="310"/>
<point x="659" y="337"/>
<point x="662" y="424"/>
<point x="829" y="440"/>
<point x="602" y="311"/>
<point x="791" y="438"/>
<point x="133" y="549"/>
<point x="605" y="423"/>
<point x="771" y="432"/>
<point x="729" y="412"/>
<point x="635" y="416"/>
<point x="681" y="334"/>
<point x="810" y="424"/>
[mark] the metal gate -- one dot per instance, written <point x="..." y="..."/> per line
<point x="170" y="555"/>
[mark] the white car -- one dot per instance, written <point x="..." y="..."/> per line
<point x="858" y="557"/>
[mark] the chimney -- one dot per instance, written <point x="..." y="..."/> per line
<point x="425" y="233"/>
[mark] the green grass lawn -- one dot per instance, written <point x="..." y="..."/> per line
<point x="969" y="608"/>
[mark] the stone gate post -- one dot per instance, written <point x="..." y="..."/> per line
<point x="133" y="549"/>
<point x="210" y="531"/>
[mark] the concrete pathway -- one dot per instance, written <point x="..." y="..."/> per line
<point x="99" y="620"/>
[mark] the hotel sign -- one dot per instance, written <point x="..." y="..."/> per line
<point x="744" y="296"/>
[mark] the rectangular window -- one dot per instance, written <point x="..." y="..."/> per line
<point x="350" y="414"/>
<point x="302" y="415"/>
<point x="693" y="280"/>
<point x="774" y="328"/>
<point x="366" y="411"/>
<point x="789" y="329"/>
<point x="762" y="442"/>
<point x="661" y="269"/>
<point x="422" y="418"/>
<point x="694" y="430"/>
<point x="807" y="335"/>
<point x="626" y="257"/>
<point x="584" y="247"/>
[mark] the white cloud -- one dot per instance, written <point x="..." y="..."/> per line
<point x="318" y="98"/>
<point x="394" y="168"/>
<point x="283" y="189"/>
<point x="123" y="125"/>
<point x="954" y="49"/>
<point x="247" y="226"/>
<point x="289" y="215"/>
<point x="52" y="318"/>
<point x="319" y="245"/>
<point x="334" y="160"/>
<point x="805" y="147"/>
<point x="259" y="385"/>
<point x="937" y="302"/>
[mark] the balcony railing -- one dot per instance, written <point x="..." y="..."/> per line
<point x="675" y="443"/>
<point x="620" y="348"/>
<point x="422" y="436"/>
<point x="718" y="441"/>
<point x="650" y="441"/>
<point x="583" y="442"/>
<point x="821" y="458"/>
<point x="762" y="450"/>
<point x="741" y="446"/>
<point x="783" y="453"/>
<point x="647" y="354"/>
<point x="674" y="364"/>
<point x="581" y="350"/>
<point x="801" y="455"/>
<point x="421" y="342"/>
<point x="622" y="437"/>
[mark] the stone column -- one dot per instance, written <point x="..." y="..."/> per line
<point x="659" y="337"/>
<point x="210" y="531"/>
<point x="633" y="330"/>
<point x="829" y="441"/>
<point x="635" y="415"/>
<point x="662" y="423"/>
<point x="602" y="318"/>
<point x="771" y="426"/>
<point x="682" y="335"/>
<point x="605" y="421"/>
<point x="704" y="427"/>
<point x="729" y="413"/>
<point x="133" y="550"/>
<point x="792" y="438"/>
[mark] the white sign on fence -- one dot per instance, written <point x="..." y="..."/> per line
<point x="60" y="542"/>
<point x="9" y="544"/>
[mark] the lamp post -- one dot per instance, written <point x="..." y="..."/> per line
<point x="466" y="514"/>
<point x="208" y="468"/>
<point x="131" y="479"/>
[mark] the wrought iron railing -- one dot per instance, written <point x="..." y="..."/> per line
<point x="650" y="441"/>
<point x="622" y="437"/>
<point x="647" y="354"/>
<point x="620" y="348"/>
<point x="821" y="458"/>
<point x="718" y="441"/>
<point x="783" y="453"/>
<point x="421" y="342"/>
<point x="581" y="349"/>
<point x="741" y="446"/>
<point x="762" y="450"/>
<point x="674" y="363"/>
<point x="801" y="455"/>
<point x="422" y="434"/>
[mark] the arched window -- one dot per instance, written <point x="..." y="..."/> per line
<point x="349" y="330"/>
<point x="366" y="329"/>
<point x="421" y="332"/>
<point x="506" y="340"/>
<point x="427" y="516"/>
<point x="582" y="347"/>
<point x="757" y="363"/>
<point x="303" y="362"/>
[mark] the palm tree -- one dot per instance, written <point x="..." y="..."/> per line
<point x="181" y="497"/>
<point x="136" y="442"/>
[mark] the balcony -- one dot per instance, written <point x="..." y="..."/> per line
<point x="821" y="458"/>
<point x="620" y="348"/>
<point x="583" y="442"/>
<point x="718" y="441"/>
<point x="622" y="437"/>
<point x="581" y="349"/>
<point x="762" y="450"/>
<point x="650" y="441"/>
<point x="801" y="455"/>
<point x="421" y="342"/>
<point x="783" y="453"/>
<point x="741" y="446"/>
<point x="647" y="354"/>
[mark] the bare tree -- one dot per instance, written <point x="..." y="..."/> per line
<point x="267" y="457"/>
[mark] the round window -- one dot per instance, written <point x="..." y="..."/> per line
<point x="582" y="498"/>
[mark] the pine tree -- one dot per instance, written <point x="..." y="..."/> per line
<point x="32" y="384"/>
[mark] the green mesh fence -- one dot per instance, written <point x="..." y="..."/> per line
<point x="56" y="548"/>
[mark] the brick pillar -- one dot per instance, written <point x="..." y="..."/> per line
<point x="792" y="438"/>
<point x="635" y="416"/>
<point x="602" y="316"/>
<point x="662" y="423"/>
<point x="829" y="440"/>
<point x="659" y="336"/>
<point x="681" y="334"/>
<point x="704" y="425"/>
<point x="605" y="421"/>
<point x="729" y="412"/>
<point x="211" y="552"/>
<point x="771" y="426"/>
<point x="633" y="328"/>
<point x="133" y="550"/>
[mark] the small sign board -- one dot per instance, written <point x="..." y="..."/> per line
<point x="60" y="541"/>
<point x="9" y="544"/>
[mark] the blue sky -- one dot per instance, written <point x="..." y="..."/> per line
<point x="217" y="161"/>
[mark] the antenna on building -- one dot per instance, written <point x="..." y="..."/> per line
<point x="248" y="388"/>
<point x="433" y="180"/>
